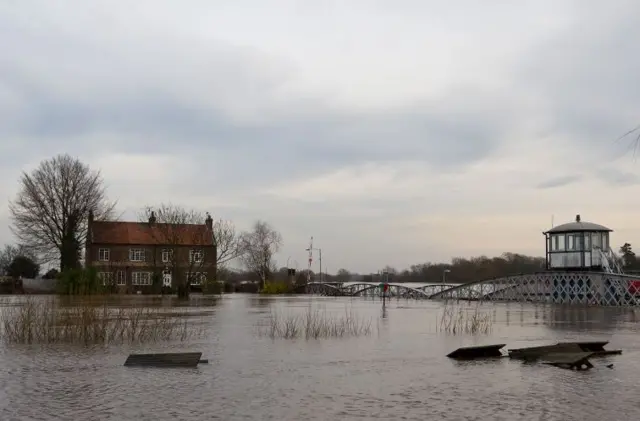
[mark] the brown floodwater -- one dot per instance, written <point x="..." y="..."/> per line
<point x="398" y="372"/>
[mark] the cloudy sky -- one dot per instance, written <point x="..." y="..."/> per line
<point x="394" y="132"/>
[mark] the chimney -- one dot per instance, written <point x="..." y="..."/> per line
<point x="152" y="218"/>
<point x="577" y="218"/>
<point x="209" y="221"/>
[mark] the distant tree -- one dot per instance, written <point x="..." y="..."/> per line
<point x="9" y="253"/>
<point x="49" y="213"/>
<point x="23" y="267"/>
<point x="627" y="255"/>
<point x="343" y="275"/>
<point x="258" y="247"/>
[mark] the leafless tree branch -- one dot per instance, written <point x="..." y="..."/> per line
<point x="258" y="247"/>
<point x="53" y="203"/>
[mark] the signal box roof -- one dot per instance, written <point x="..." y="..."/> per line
<point x="578" y="226"/>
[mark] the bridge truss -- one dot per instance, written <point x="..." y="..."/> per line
<point x="586" y="288"/>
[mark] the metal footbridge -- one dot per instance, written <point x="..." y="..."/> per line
<point x="559" y="287"/>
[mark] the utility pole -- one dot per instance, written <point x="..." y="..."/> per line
<point x="310" y="250"/>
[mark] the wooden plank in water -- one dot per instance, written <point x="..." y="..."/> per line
<point x="589" y="346"/>
<point x="472" y="352"/>
<point x="577" y="360"/>
<point x="177" y="359"/>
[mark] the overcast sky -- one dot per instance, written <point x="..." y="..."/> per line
<point x="394" y="132"/>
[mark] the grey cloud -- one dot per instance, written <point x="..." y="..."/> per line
<point x="584" y="79"/>
<point x="618" y="178"/>
<point x="559" y="181"/>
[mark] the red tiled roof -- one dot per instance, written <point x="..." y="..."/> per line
<point x="142" y="233"/>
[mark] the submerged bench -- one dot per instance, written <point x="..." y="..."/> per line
<point x="569" y="360"/>
<point x="176" y="359"/>
<point x="473" y="352"/>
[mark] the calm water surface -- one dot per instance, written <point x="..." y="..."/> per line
<point x="399" y="372"/>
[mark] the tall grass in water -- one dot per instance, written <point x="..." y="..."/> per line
<point x="46" y="322"/>
<point x="314" y="324"/>
<point x="460" y="320"/>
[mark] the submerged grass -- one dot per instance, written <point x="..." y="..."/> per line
<point x="461" y="320"/>
<point x="47" y="321"/>
<point x="315" y="324"/>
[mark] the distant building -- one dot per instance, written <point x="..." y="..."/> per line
<point x="131" y="255"/>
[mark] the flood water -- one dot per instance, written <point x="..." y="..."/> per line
<point x="398" y="372"/>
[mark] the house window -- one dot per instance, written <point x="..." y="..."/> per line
<point x="196" y="278"/>
<point x="106" y="278"/>
<point x="121" y="278"/>
<point x="136" y="255"/>
<point x="141" y="278"/>
<point x="196" y="256"/>
<point x="103" y="255"/>
<point x="167" y="254"/>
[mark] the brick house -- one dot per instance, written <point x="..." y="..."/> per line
<point x="130" y="255"/>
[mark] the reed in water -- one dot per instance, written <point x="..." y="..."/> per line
<point x="46" y="321"/>
<point x="315" y="324"/>
<point x="457" y="320"/>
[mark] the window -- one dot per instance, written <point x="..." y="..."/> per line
<point x="121" y="279"/>
<point x="196" y="278"/>
<point x="167" y="254"/>
<point x="570" y="242"/>
<point x="196" y="256"/>
<point x="141" y="278"/>
<point x="103" y="255"/>
<point x="106" y="278"/>
<point x="136" y="255"/>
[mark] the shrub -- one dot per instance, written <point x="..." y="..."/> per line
<point x="79" y="282"/>
<point x="276" y="288"/>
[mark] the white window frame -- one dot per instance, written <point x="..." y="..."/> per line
<point x="104" y="254"/>
<point x="141" y="278"/>
<point x="104" y="276"/>
<point x="200" y="278"/>
<point x="167" y="254"/>
<point x="121" y="278"/>
<point x="196" y="256"/>
<point x="136" y="254"/>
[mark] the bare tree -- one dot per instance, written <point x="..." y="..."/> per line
<point x="258" y="247"/>
<point x="175" y="228"/>
<point x="49" y="214"/>
<point x="227" y="242"/>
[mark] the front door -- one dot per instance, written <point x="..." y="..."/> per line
<point x="166" y="278"/>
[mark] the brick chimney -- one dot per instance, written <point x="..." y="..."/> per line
<point x="209" y="221"/>
<point x="152" y="218"/>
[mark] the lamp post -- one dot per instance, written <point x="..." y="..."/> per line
<point x="444" y="277"/>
